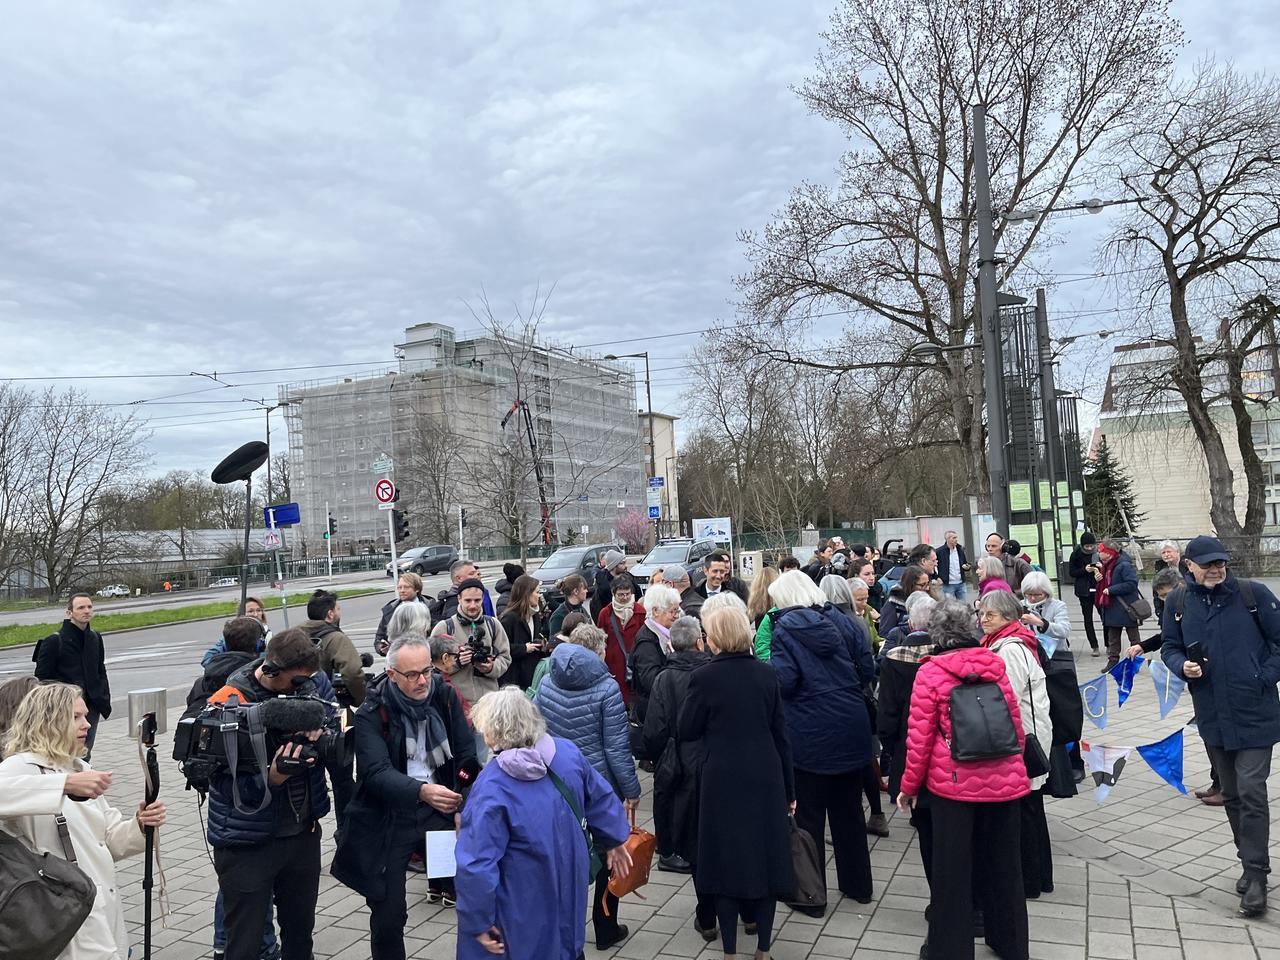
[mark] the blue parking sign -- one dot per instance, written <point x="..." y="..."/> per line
<point x="655" y="513"/>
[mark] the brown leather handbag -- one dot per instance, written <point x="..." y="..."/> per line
<point x="642" y="845"/>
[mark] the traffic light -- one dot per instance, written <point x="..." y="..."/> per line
<point x="333" y="528"/>
<point x="462" y="515"/>
<point x="400" y="523"/>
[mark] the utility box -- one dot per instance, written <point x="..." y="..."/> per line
<point x="749" y="563"/>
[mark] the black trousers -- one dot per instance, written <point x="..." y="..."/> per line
<point x="922" y="820"/>
<point x="981" y="841"/>
<point x="343" y="789"/>
<point x="837" y="799"/>
<point x="606" y="927"/>
<point x="1037" y="853"/>
<point x="387" y="916"/>
<point x="705" y="910"/>
<point x="286" y="869"/>
<point x="664" y="826"/>
<point x="1244" y="783"/>
<point x="762" y="911"/>
<point x="871" y="788"/>
<point x="1086" y="610"/>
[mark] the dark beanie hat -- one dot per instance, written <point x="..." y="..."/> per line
<point x="512" y="571"/>
<point x="1088" y="540"/>
<point x="470" y="583"/>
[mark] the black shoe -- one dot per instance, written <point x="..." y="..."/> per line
<point x="750" y="929"/>
<point x="674" y="863"/>
<point x="1242" y="883"/>
<point x="219" y="954"/>
<point x="924" y="949"/>
<point x="1253" y="903"/>
<point x="1078" y="775"/>
<point x="617" y="939"/>
<point x="707" y="933"/>
<point x="272" y="954"/>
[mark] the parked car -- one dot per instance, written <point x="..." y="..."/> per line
<point x="567" y="560"/>
<point x="114" y="590"/>
<point x="225" y="582"/>
<point x="426" y="560"/>
<point x="677" y="551"/>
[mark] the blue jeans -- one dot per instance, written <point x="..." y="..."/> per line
<point x="220" y="929"/>
<point x="953" y="590"/>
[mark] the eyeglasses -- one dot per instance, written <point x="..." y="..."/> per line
<point x="413" y="676"/>
<point x="989" y="615"/>
<point x="1213" y="565"/>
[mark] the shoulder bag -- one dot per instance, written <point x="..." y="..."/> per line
<point x="1139" y="609"/>
<point x="1033" y="755"/>
<point x="592" y="853"/>
<point x="981" y="722"/>
<point x="44" y="899"/>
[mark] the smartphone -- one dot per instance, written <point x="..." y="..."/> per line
<point x="1195" y="652"/>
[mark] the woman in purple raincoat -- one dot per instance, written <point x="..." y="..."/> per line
<point x="523" y="861"/>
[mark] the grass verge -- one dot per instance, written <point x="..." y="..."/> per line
<point x="16" y="634"/>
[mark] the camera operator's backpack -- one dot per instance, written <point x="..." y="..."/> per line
<point x="981" y="723"/>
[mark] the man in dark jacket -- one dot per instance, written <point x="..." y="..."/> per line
<point x="677" y="578"/>
<point x="511" y="572"/>
<point x="820" y="564"/>
<point x="266" y="841"/>
<point x="1015" y="568"/>
<point x="408" y="590"/>
<point x="414" y="757"/>
<point x="716" y="567"/>
<point x="675" y="778"/>
<point x="612" y="563"/>
<point x="1223" y="635"/>
<point x="953" y="564"/>
<point x="241" y="637"/>
<point x="1080" y="567"/>
<point x="338" y="657"/>
<point x="446" y="604"/>
<point x="77" y="655"/>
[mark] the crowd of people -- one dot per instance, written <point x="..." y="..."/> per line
<point x="521" y="731"/>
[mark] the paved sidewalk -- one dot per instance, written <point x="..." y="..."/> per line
<point x="1148" y="875"/>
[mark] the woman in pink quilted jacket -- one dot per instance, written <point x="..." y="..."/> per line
<point x="974" y="803"/>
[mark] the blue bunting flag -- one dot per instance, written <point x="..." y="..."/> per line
<point x="1124" y="672"/>
<point x="1169" y="686"/>
<point x="1095" y="700"/>
<point x="1165" y="758"/>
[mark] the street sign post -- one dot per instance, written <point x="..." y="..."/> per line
<point x="270" y="540"/>
<point x="657" y="481"/>
<point x="281" y="515"/>
<point x="273" y="540"/>
<point x="655" y="513"/>
<point x="382" y="465"/>
<point x="384" y="491"/>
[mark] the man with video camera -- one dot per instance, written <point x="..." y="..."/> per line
<point x="484" y="653"/>
<point x="264" y="826"/>
<point x="415" y="754"/>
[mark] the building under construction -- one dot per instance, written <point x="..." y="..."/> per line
<point x="459" y="420"/>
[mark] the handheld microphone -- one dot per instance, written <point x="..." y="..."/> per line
<point x="468" y="770"/>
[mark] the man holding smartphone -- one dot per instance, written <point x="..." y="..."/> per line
<point x="1223" y="635"/>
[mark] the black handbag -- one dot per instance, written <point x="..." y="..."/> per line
<point x="809" y="895"/>
<point x="44" y="899"/>
<point x="1139" y="610"/>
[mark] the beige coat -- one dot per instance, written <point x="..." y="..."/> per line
<point x="465" y="680"/>
<point x="1026" y="676"/>
<point x="100" y="833"/>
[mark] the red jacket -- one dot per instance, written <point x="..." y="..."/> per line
<point x="615" y="657"/>
<point x="929" y="760"/>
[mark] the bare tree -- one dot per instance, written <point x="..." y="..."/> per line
<point x="432" y="469"/>
<point x="1203" y="165"/>
<point x="82" y="452"/>
<point x="893" y="244"/>
<point x="16" y="463"/>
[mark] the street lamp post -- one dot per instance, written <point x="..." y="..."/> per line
<point x="648" y="399"/>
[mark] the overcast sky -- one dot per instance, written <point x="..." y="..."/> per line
<point x="231" y="186"/>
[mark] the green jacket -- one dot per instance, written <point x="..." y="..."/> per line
<point x="764" y="635"/>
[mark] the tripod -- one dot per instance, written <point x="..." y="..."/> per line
<point x="147" y="738"/>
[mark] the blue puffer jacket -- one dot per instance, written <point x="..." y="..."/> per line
<point x="228" y="827"/>
<point x="581" y="702"/>
<point x="1124" y="583"/>
<point x="823" y="661"/>
<point x="1237" y="707"/>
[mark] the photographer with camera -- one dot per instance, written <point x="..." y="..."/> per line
<point x="484" y="653"/>
<point x="414" y="754"/>
<point x="264" y="829"/>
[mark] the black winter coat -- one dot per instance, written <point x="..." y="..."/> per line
<point x="675" y="778"/>
<point x="601" y="592"/>
<point x="524" y="662"/>
<point x="647" y="661"/>
<point x="386" y="803"/>
<point x="893" y="612"/>
<point x="897" y="677"/>
<point x="216" y="672"/>
<point x="77" y="657"/>
<point x="744" y="840"/>
<point x="503" y="589"/>
<point x="1086" y="584"/>
<point x="1236" y="702"/>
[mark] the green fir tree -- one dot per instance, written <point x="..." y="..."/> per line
<point x="1109" y="497"/>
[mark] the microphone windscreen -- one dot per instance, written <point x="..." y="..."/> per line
<point x="468" y="770"/>
<point x="292" y="714"/>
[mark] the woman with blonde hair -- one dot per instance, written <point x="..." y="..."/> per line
<point x="758" y="601"/>
<point x="735" y="707"/>
<point x="42" y="767"/>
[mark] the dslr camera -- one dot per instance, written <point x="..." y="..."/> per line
<point x="340" y="690"/>
<point x="240" y="738"/>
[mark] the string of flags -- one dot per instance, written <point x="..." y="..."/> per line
<point x="1164" y="757"/>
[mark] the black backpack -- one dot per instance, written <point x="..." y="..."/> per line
<point x="981" y="724"/>
<point x="1066" y="707"/>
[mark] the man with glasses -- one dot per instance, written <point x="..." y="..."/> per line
<point x="1223" y="635"/>
<point x="414" y="752"/>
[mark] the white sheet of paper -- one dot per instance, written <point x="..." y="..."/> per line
<point x="440" y="853"/>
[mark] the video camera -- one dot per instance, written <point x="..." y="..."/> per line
<point x="340" y="690"/>
<point x="240" y="737"/>
<point x="481" y="652"/>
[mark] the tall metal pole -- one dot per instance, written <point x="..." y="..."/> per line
<point x="1049" y="414"/>
<point x="270" y="488"/>
<point x="328" y="539"/>
<point x="653" y="464"/>
<point x="996" y="434"/>
<point x="244" y="560"/>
